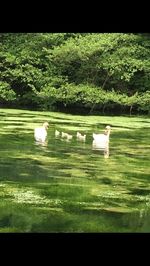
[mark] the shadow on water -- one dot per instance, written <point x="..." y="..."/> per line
<point x="140" y="191"/>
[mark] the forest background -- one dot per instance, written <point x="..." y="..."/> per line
<point x="83" y="73"/>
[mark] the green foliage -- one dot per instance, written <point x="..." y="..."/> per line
<point x="94" y="70"/>
<point x="144" y="101"/>
<point x="46" y="98"/>
<point x="6" y="93"/>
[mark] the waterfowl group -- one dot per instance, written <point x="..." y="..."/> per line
<point x="100" y="141"/>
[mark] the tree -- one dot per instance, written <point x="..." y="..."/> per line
<point x="94" y="70"/>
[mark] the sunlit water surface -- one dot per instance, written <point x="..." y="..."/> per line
<point x="71" y="186"/>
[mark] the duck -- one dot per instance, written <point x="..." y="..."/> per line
<point x="80" y="136"/>
<point x="69" y="136"/>
<point x="102" y="140"/>
<point x="40" y="133"/>
<point x="64" y="135"/>
<point x="57" y="133"/>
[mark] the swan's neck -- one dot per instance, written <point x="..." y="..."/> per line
<point x="45" y="127"/>
<point x="107" y="133"/>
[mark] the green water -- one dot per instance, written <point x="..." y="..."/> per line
<point x="66" y="186"/>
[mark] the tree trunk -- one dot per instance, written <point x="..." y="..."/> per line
<point x="104" y="109"/>
<point x="131" y="109"/>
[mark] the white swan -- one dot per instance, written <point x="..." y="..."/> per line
<point x="102" y="140"/>
<point x="40" y="133"/>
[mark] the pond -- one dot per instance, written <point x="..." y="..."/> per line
<point x="70" y="185"/>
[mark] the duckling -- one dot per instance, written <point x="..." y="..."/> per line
<point x="57" y="133"/>
<point x="81" y="137"/>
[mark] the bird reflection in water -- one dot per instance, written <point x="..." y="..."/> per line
<point x="41" y="144"/>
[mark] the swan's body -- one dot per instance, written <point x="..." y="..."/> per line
<point x="97" y="145"/>
<point x="100" y="147"/>
<point x="101" y="141"/>
<point x="40" y="133"/>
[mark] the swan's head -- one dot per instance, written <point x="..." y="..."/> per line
<point x="46" y="125"/>
<point x="107" y="130"/>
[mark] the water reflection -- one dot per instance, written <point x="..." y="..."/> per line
<point x="98" y="146"/>
<point x="139" y="221"/>
<point x="66" y="140"/>
<point x="41" y="143"/>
